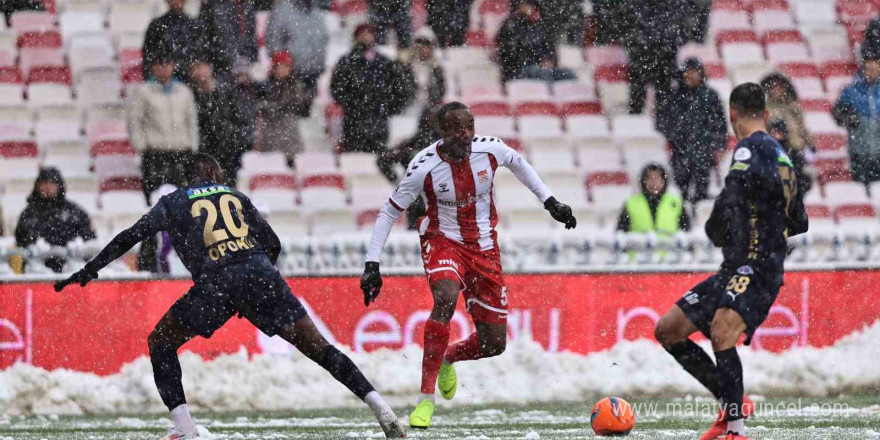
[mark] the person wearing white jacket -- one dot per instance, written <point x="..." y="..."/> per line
<point x="163" y="126"/>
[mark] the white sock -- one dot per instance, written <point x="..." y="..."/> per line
<point x="737" y="426"/>
<point x="182" y="420"/>
<point x="376" y="403"/>
<point x="430" y="397"/>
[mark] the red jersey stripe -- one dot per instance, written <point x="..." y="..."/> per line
<point x="493" y="214"/>
<point x="434" y="225"/>
<point x="466" y="192"/>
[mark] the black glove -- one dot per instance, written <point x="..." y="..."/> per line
<point x="560" y="212"/>
<point x="371" y="282"/>
<point x="81" y="277"/>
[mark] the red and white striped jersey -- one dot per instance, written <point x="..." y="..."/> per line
<point x="459" y="195"/>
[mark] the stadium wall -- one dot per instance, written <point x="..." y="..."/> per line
<point x="100" y="328"/>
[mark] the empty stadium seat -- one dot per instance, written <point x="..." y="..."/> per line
<point x="31" y="57"/>
<point x="525" y="90"/>
<point x="103" y="130"/>
<point x="57" y="131"/>
<point x="310" y="163"/>
<point x="129" y="16"/>
<point x="612" y="83"/>
<point x="772" y="20"/>
<point x="401" y="128"/>
<point x="322" y="192"/>
<point x="465" y="57"/>
<point x="80" y="22"/>
<point x="276" y="199"/>
<point x="573" y="91"/>
<point x="721" y="21"/>
<point x="630" y="130"/>
<point x="589" y="131"/>
<point x="603" y="56"/>
<point x="116" y="166"/>
<point x="829" y="44"/>
<point x="25" y="21"/>
<point x="815" y="12"/>
<point x="845" y="193"/>
<point x="501" y="126"/>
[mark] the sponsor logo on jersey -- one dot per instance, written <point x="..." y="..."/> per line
<point x="745" y="270"/>
<point x="483" y="175"/>
<point x="448" y="262"/>
<point x="195" y="193"/>
<point x="463" y="202"/>
<point x="739" y="166"/>
<point x="742" y="154"/>
<point x="783" y="158"/>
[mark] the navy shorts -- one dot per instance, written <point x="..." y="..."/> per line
<point x="743" y="290"/>
<point x="252" y="288"/>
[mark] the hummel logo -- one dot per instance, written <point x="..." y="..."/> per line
<point x="444" y="188"/>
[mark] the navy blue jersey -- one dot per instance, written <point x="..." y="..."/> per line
<point x="210" y="225"/>
<point x="758" y="209"/>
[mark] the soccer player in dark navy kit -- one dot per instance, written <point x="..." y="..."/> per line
<point x="231" y="251"/>
<point x="755" y="213"/>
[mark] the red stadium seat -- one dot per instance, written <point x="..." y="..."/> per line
<point x="272" y="180"/>
<point x="855" y="33"/>
<point x="768" y="5"/>
<point x="855" y="210"/>
<point x="838" y="68"/>
<point x="131" y="64"/>
<point x="830" y="145"/>
<point x="491" y="109"/>
<point x="816" y="105"/>
<point x="49" y="38"/>
<point x="612" y="73"/>
<point x="109" y="147"/>
<point x="835" y="170"/>
<point x="127" y="183"/>
<point x="782" y="36"/>
<point x="715" y="70"/>
<point x="97" y="131"/>
<point x="324" y="180"/>
<point x="799" y="70"/>
<point x="581" y="108"/>
<point x="10" y="75"/>
<point x="536" y="108"/>
<point x="477" y="38"/>
<point x="17" y="149"/>
<point x="735" y="36"/>
<point x="818" y="211"/>
<point x="856" y="12"/>
<point x="602" y="56"/>
<point x="728" y="5"/>
<point x="49" y="74"/>
<point x="607" y="178"/>
<point x="28" y="21"/>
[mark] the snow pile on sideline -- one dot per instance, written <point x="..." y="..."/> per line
<point x="523" y="374"/>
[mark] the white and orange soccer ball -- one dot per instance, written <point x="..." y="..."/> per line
<point x="612" y="416"/>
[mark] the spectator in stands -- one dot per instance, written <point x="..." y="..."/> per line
<point x="779" y="131"/>
<point x="427" y="74"/>
<point x="696" y="128"/>
<point x="218" y="117"/>
<point x="228" y="33"/>
<point x="523" y="40"/>
<point x="388" y="14"/>
<point x="298" y="27"/>
<point x="654" y="209"/>
<point x="172" y="36"/>
<point x="871" y="42"/>
<point x="449" y="20"/>
<point x="282" y="100"/>
<point x="370" y="88"/>
<point x="782" y="103"/>
<point x="549" y="70"/>
<point x="51" y="217"/>
<point x="244" y="132"/>
<point x="427" y="133"/>
<point x="163" y="126"/>
<point x="652" y="33"/>
<point x="858" y="110"/>
<point x="565" y="19"/>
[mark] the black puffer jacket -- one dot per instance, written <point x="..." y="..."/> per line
<point x="522" y="43"/>
<point x="56" y="220"/>
<point x="228" y="31"/>
<point x="171" y="36"/>
<point x="370" y="88"/>
<point x="694" y="123"/>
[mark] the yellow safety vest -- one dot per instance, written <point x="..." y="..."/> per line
<point x="668" y="214"/>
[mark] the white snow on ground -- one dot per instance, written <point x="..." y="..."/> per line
<point x="525" y="373"/>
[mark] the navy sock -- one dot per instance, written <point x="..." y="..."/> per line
<point x="730" y="376"/>
<point x="697" y="362"/>
<point x="345" y="371"/>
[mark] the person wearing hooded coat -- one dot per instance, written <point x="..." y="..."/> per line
<point x="523" y="40"/>
<point x="654" y="209"/>
<point x="50" y="216"/>
<point x="696" y="127"/>
<point x="858" y="110"/>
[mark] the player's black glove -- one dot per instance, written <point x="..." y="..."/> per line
<point x="560" y="212"/>
<point x="371" y="282"/>
<point x="81" y="277"/>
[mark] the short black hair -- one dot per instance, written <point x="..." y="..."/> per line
<point x="449" y="107"/>
<point x="198" y="165"/>
<point x="748" y="100"/>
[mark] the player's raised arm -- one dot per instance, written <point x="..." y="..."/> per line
<point x="409" y="189"/>
<point x="526" y="174"/>
<point x="150" y="224"/>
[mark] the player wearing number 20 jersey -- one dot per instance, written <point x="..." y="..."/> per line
<point x="230" y="250"/>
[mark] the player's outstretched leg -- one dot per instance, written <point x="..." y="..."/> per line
<point x="489" y="340"/>
<point x="164" y="341"/>
<point x="727" y="326"/>
<point x="304" y="335"/>
<point x="445" y="293"/>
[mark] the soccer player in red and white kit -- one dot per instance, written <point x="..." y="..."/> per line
<point x="455" y="176"/>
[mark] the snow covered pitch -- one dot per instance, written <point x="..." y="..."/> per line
<point x="840" y="418"/>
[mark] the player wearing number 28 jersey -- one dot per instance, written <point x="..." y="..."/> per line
<point x="230" y="250"/>
<point x="455" y="177"/>
<point x="757" y="211"/>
